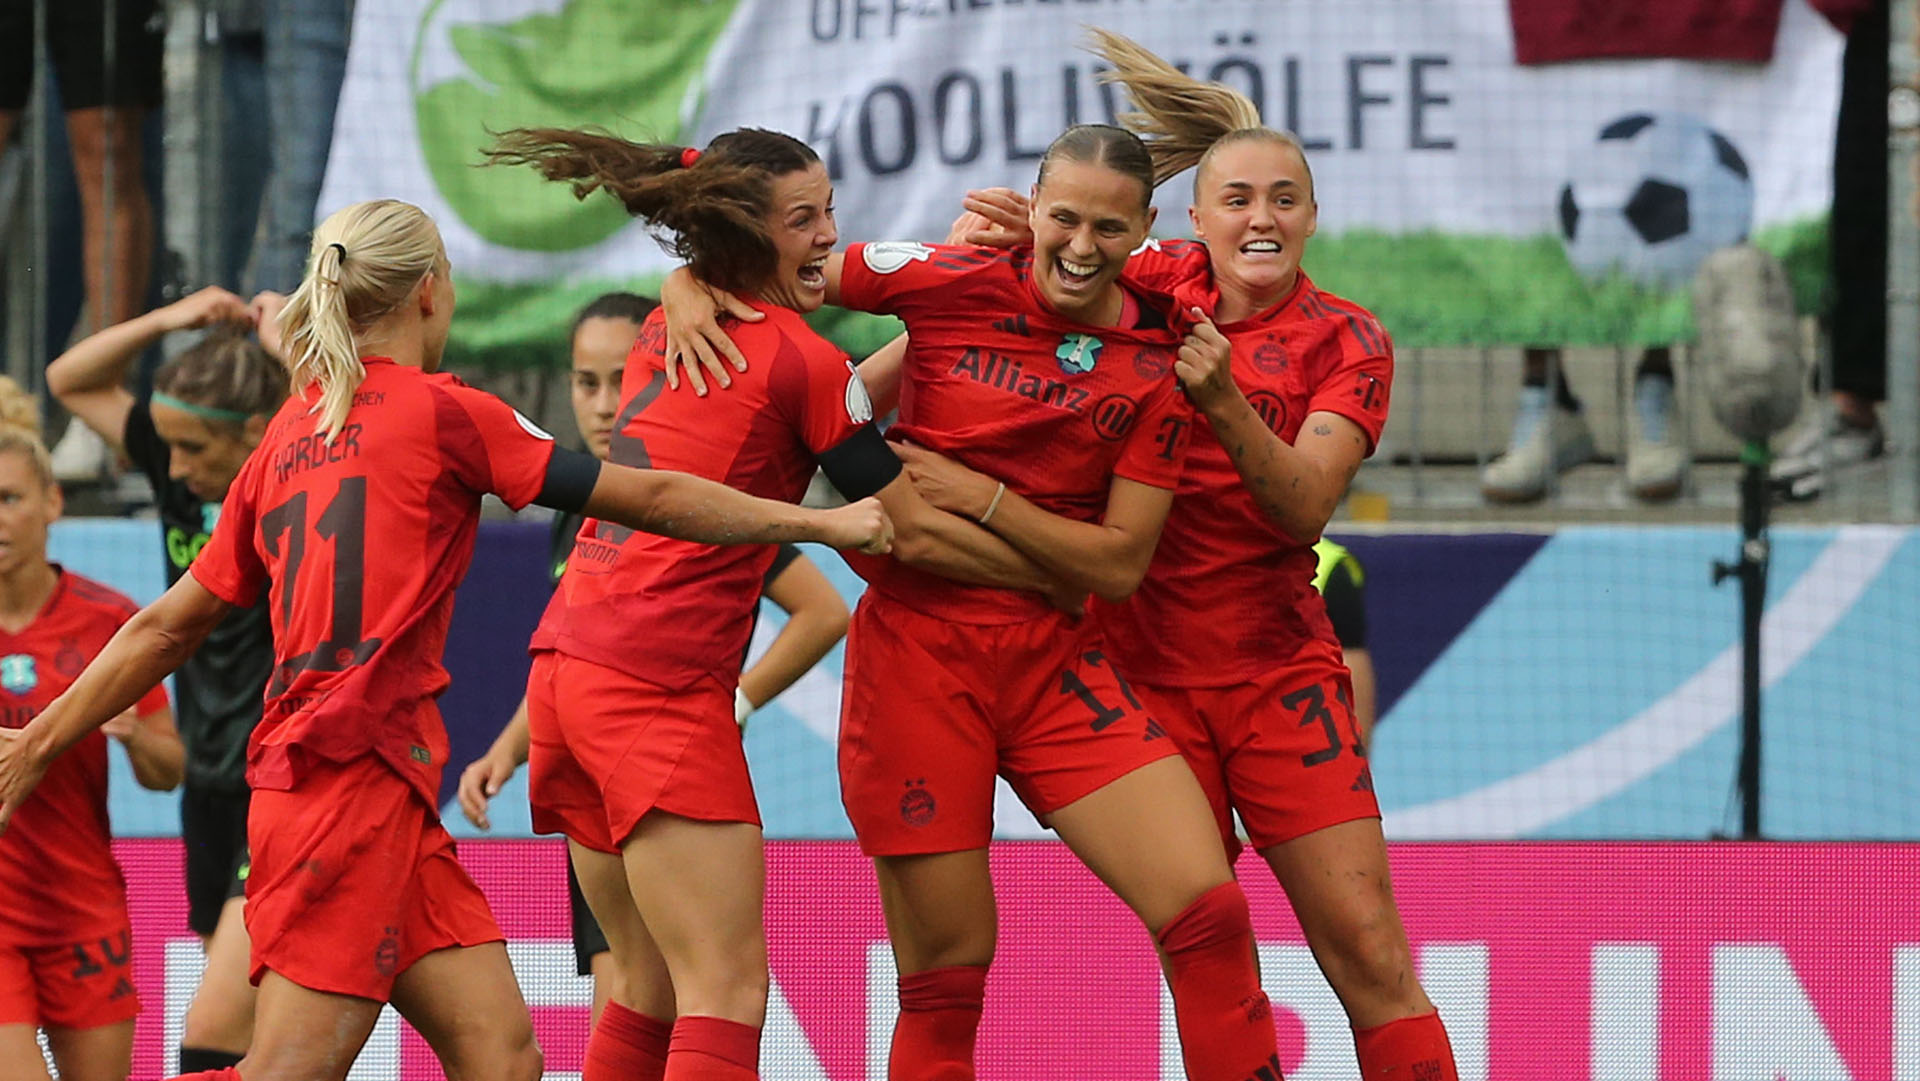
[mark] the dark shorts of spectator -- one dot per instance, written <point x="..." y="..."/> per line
<point x="78" y="42"/>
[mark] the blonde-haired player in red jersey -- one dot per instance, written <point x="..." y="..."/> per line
<point x="358" y="511"/>
<point x="65" y="941"/>
<point x="1038" y="364"/>
<point x="1227" y="635"/>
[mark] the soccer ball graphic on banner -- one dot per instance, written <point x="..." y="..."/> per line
<point x="1652" y="197"/>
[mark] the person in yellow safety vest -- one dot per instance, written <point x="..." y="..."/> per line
<point x="1340" y="579"/>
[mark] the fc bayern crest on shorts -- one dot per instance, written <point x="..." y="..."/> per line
<point x="18" y="673"/>
<point x="916" y="806"/>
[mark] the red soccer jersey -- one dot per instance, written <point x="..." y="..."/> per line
<point x="58" y="881"/>
<point x="996" y="381"/>
<point x="1229" y="595"/>
<point x="670" y="611"/>
<point x="364" y="540"/>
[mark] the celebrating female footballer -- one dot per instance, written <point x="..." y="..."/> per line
<point x="65" y="941"/>
<point x="1227" y="637"/>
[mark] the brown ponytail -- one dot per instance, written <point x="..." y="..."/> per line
<point x="707" y="208"/>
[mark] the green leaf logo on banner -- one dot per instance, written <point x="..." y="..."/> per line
<point x="613" y="64"/>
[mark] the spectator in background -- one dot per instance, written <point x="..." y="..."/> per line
<point x="106" y="58"/>
<point x="1847" y="432"/>
<point x="107" y="82"/>
<point x="1551" y="436"/>
<point x="306" y="61"/>
<point x="1340" y="580"/>
<point x="209" y="408"/>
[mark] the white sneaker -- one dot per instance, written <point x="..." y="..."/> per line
<point x="1831" y="442"/>
<point x="1656" y="462"/>
<point x="1547" y="440"/>
<point x="81" y="456"/>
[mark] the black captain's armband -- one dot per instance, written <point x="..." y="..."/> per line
<point x="571" y="476"/>
<point x="861" y="464"/>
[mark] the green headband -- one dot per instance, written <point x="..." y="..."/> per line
<point x="208" y="412"/>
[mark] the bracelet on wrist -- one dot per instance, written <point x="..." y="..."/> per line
<point x="994" y="503"/>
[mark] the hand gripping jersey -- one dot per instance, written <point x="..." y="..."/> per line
<point x="670" y="611"/>
<point x="1229" y="595"/>
<point x="996" y="381"/>
<point x="58" y="881"/>
<point x="363" y="540"/>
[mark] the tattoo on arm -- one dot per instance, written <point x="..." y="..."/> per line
<point x="1323" y="429"/>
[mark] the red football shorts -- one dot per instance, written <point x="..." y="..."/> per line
<point x="607" y="748"/>
<point x="83" y="985"/>
<point x="1282" y="749"/>
<point x="932" y="710"/>
<point x="353" y="880"/>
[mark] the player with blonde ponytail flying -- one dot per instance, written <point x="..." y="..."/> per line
<point x="358" y="513"/>
<point x="1226" y="637"/>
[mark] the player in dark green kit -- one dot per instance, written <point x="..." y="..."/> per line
<point x="209" y="407"/>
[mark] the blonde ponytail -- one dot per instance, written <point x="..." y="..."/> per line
<point x="20" y="429"/>
<point x="366" y="260"/>
<point x="1181" y="118"/>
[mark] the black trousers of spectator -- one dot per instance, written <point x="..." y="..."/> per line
<point x="1858" y="313"/>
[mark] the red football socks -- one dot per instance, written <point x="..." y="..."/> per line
<point x="713" y="1049"/>
<point x="939" y="1015"/>
<point x="1225" y="1022"/>
<point x="626" y="1045"/>
<point x="1410" y="1049"/>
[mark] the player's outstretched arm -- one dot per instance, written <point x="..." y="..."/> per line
<point x="696" y="509"/>
<point x="157" y="640"/>
<point x="485" y="776"/>
<point x="928" y="537"/>
<point x="950" y="546"/>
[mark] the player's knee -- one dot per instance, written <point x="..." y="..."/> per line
<point x="522" y="1061"/>
<point x="945" y="948"/>
<point x="1369" y="962"/>
<point x="217" y="1022"/>
<point x="286" y="1062"/>
<point x="508" y="1053"/>
<point x="733" y="988"/>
